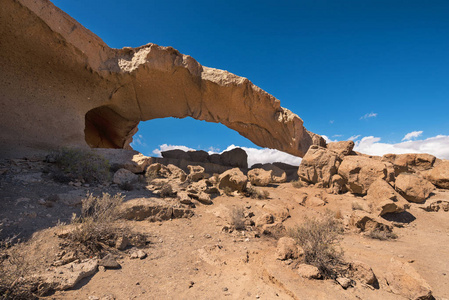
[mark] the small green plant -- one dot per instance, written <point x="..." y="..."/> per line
<point x="257" y="194"/>
<point x="83" y="165"/>
<point x="319" y="239"/>
<point x="238" y="218"/>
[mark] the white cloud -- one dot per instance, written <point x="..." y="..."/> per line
<point x="166" y="147"/>
<point x="370" y="115"/>
<point x="327" y="139"/>
<point x="255" y="156"/>
<point x="331" y="121"/>
<point x="438" y="146"/>
<point x="354" y="137"/>
<point x="337" y="135"/>
<point x="138" y="140"/>
<point x="412" y="135"/>
<point x="266" y="155"/>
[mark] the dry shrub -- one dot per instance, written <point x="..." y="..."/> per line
<point x="382" y="235"/>
<point x="297" y="184"/>
<point x="257" y="194"/>
<point x="238" y="218"/>
<point x="82" y="165"/>
<point x="95" y="228"/>
<point x="15" y="282"/>
<point x="320" y="241"/>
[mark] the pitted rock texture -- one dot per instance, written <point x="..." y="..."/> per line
<point x="61" y="85"/>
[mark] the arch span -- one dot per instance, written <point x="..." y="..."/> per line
<point x="83" y="92"/>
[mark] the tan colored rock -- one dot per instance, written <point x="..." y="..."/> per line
<point x="259" y="177"/>
<point x="92" y="95"/>
<point x="411" y="162"/>
<point x="123" y="176"/>
<point x="278" y="175"/>
<point x="233" y="179"/>
<point x="125" y="159"/>
<point x="309" y="271"/>
<point x="337" y="185"/>
<point x="342" y="148"/>
<point x="176" y="173"/>
<point x="413" y="187"/>
<point x="368" y="223"/>
<point x="405" y="281"/>
<point x="288" y="249"/>
<point x="66" y="276"/>
<point x="266" y="218"/>
<point x="360" y="172"/>
<point x="196" y="173"/>
<point x="439" y="175"/>
<point x="385" y="199"/>
<point x="151" y="209"/>
<point x="319" y="165"/>
<point x="362" y="272"/>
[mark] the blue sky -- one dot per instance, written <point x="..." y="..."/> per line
<point x="375" y="70"/>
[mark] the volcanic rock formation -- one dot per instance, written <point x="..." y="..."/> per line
<point x="61" y="85"/>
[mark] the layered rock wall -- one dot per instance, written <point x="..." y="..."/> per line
<point x="61" y="85"/>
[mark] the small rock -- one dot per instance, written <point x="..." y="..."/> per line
<point x="101" y="269"/>
<point x="225" y="289"/>
<point x="138" y="254"/>
<point x="121" y="243"/>
<point x="109" y="262"/>
<point x="309" y="271"/>
<point x="344" y="282"/>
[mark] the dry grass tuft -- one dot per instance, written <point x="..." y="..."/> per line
<point x="257" y="194"/>
<point x="320" y="241"/>
<point x="238" y="218"/>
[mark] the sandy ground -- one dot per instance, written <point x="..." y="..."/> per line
<point x="195" y="259"/>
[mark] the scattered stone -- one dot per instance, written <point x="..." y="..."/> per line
<point x="259" y="177"/>
<point x="288" y="249"/>
<point x="265" y="219"/>
<point x="138" y="254"/>
<point x="436" y="205"/>
<point x="413" y="187"/>
<point x="309" y="271"/>
<point x="121" y="243"/>
<point x="361" y="272"/>
<point x="184" y="198"/>
<point x="109" y="262"/>
<point x="405" y="281"/>
<point x="122" y="176"/>
<point x="125" y="159"/>
<point x="344" y="282"/>
<point x="66" y="276"/>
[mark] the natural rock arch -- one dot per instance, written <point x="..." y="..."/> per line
<point x="62" y="85"/>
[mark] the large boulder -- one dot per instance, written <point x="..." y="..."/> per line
<point x="385" y="199"/>
<point x="360" y="172"/>
<point x="151" y="209"/>
<point x="123" y="176"/>
<point x="439" y="175"/>
<point x="362" y="273"/>
<point x="278" y="175"/>
<point x="233" y="179"/>
<point x="176" y="154"/>
<point x="411" y="162"/>
<point x="259" y="177"/>
<point x="236" y="157"/>
<point x="196" y="173"/>
<point x="405" y="281"/>
<point x="92" y="95"/>
<point x="413" y="187"/>
<point x="319" y="165"/>
<point x="342" y="148"/>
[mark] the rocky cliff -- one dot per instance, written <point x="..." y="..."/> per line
<point x="61" y="85"/>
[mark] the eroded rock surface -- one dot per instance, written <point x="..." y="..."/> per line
<point x="89" y="94"/>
